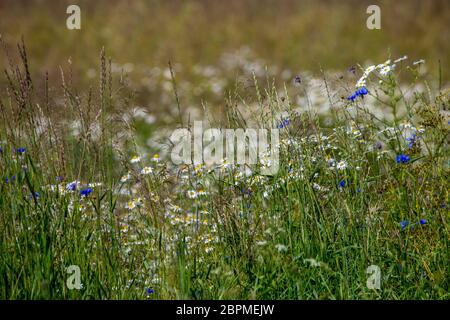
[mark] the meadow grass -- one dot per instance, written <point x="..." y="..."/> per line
<point x="354" y="189"/>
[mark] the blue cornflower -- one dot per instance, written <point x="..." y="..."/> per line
<point x="352" y="97"/>
<point x="401" y="158"/>
<point x="404" y="224"/>
<point x="423" y="221"/>
<point x="352" y="69"/>
<point x="1" y="150"/>
<point x="283" y="123"/>
<point x="72" y="186"/>
<point x="378" y="145"/>
<point x="149" y="291"/>
<point x="21" y="150"/>
<point x="412" y="140"/>
<point x="37" y="195"/>
<point x="361" y="92"/>
<point x="358" y="190"/>
<point x="7" y="180"/>
<point x="342" y="183"/>
<point x="85" y="192"/>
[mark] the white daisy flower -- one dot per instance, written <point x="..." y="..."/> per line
<point x="95" y="184"/>
<point x="131" y="205"/>
<point x="341" y="165"/>
<point x="135" y="159"/>
<point x="156" y="158"/>
<point x="369" y="69"/>
<point x="281" y="247"/>
<point x="146" y="170"/>
<point x="175" y="208"/>
<point x="125" y="178"/>
<point x="312" y="262"/>
<point x="192" y="194"/>
<point x="386" y="70"/>
<point x="401" y="59"/>
<point x="317" y="186"/>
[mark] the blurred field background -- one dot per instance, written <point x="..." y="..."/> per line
<point x="290" y="34"/>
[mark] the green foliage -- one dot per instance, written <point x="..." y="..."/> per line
<point x="310" y="231"/>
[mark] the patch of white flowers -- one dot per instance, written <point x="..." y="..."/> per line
<point x="384" y="69"/>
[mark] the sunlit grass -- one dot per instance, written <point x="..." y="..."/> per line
<point x="353" y="190"/>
